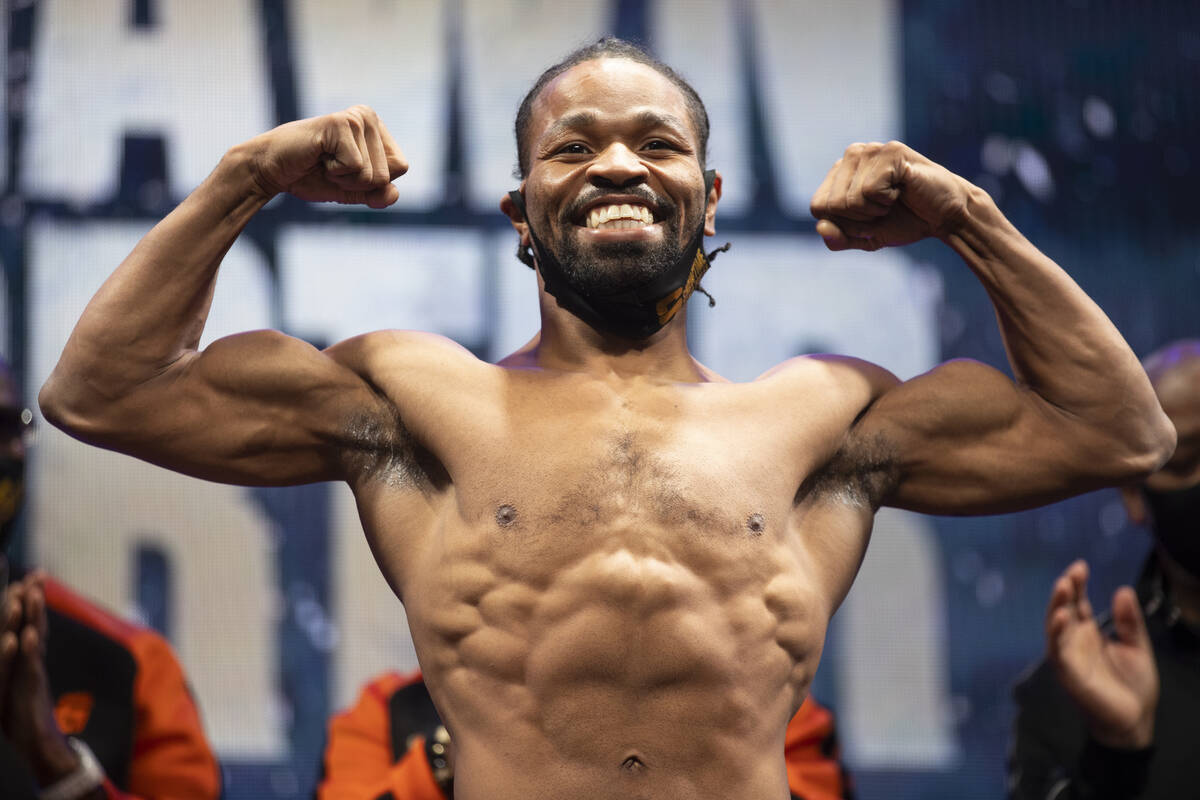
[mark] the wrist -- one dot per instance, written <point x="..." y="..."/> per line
<point x="53" y="759"/>
<point x="240" y="167"/>
<point x="1137" y="737"/>
<point x="85" y="781"/>
<point x="975" y="212"/>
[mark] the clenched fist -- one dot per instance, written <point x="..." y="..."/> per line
<point x="347" y="157"/>
<point x="884" y="195"/>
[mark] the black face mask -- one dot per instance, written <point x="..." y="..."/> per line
<point x="1175" y="517"/>
<point x="632" y="313"/>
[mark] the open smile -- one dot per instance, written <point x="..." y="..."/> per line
<point x="622" y="216"/>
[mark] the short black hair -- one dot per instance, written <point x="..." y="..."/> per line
<point x="608" y="47"/>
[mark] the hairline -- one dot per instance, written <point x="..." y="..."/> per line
<point x="609" y="47"/>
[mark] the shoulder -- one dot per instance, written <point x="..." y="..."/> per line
<point x="146" y="645"/>
<point x="853" y="381"/>
<point x="381" y="350"/>
<point x="89" y="614"/>
<point x="391" y="706"/>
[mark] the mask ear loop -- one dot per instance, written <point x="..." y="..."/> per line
<point x="712" y="301"/>
<point x="709" y="177"/>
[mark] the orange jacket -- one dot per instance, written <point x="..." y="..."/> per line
<point x="119" y="688"/>
<point x="376" y="752"/>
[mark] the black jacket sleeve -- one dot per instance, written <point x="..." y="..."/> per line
<point x="1051" y="756"/>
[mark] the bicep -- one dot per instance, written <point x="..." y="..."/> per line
<point x="966" y="439"/>
<point x="257" y="408"/>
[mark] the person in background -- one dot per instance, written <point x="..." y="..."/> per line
<point x="91" y="707"/>
<point x="1114" y="710"/>
<point x="391" y="745"/>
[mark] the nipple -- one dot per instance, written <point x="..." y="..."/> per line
<point x="506" y="515"/>
<point x="756" y="524"/>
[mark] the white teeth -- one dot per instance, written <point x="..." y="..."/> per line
<point x="620" y="217"/>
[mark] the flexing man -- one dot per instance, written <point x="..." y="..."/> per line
<point x="618" y="567"/>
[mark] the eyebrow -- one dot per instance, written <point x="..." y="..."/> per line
<point x="586" y="119"/>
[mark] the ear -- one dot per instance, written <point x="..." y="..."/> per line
<point x="710" y="210"/>
<point x="1135" y="504"/>
<point x="516" y="217"/>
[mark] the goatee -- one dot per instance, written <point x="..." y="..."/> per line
<point x="602" y="269"/>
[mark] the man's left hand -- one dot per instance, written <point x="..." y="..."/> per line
<point x="886" y="195"/>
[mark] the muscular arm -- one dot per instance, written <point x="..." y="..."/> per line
<point x="964" y="438"/>
<point x="259" y="407"/>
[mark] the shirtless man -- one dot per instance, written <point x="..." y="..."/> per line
<point x="618" y="567"/>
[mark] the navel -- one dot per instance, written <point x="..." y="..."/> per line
<point x="756" y="524"/>
<point x="632" y="765"/>
<point x="506" y="515"/>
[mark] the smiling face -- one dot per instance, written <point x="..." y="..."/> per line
<point x="615" y="188"/>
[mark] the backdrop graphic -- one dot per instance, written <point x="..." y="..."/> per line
<point x="1079" y="117"/>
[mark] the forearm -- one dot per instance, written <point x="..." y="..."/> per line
<point x="1060" y="344"/>
<point x="152" y="309"/>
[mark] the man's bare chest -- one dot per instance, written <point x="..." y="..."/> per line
<point x="671" y="457"/>
<point x="548" y="472"/>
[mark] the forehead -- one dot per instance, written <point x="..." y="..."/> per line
<point x="609" y="87"/>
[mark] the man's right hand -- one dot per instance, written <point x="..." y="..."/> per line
<point x="1113" y="681"/>
<point x="347" y="157"/>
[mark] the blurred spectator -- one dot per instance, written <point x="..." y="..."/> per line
<point x="91" y="707"/>
<point x="1097" y="719"/>
<point x="391" y="746"/>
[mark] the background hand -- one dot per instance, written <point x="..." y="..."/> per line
<point x="27" y="707"/>
<point x="347" y="157"/>
<point x="11" y="617"/>
<point x="885" y="195"/>
<point x="1113" y="681"/>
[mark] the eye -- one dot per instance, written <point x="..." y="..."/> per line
<point x="572" y="149"/>
<point x="658" y="144"/>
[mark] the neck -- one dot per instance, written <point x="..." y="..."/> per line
<point x="570" y="344"/>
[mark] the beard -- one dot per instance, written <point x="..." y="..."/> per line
<point x="604" y="269"/>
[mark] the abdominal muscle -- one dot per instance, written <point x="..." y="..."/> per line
<point x="625" y="660"/>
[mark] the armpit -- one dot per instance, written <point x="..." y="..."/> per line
<point x="382" y="448"/>
<point x="862" y="472"/>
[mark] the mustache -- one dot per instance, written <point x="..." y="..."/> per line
<point x="661" y="206"/>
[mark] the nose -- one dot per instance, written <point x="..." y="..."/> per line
<point x="617" y="165"/>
